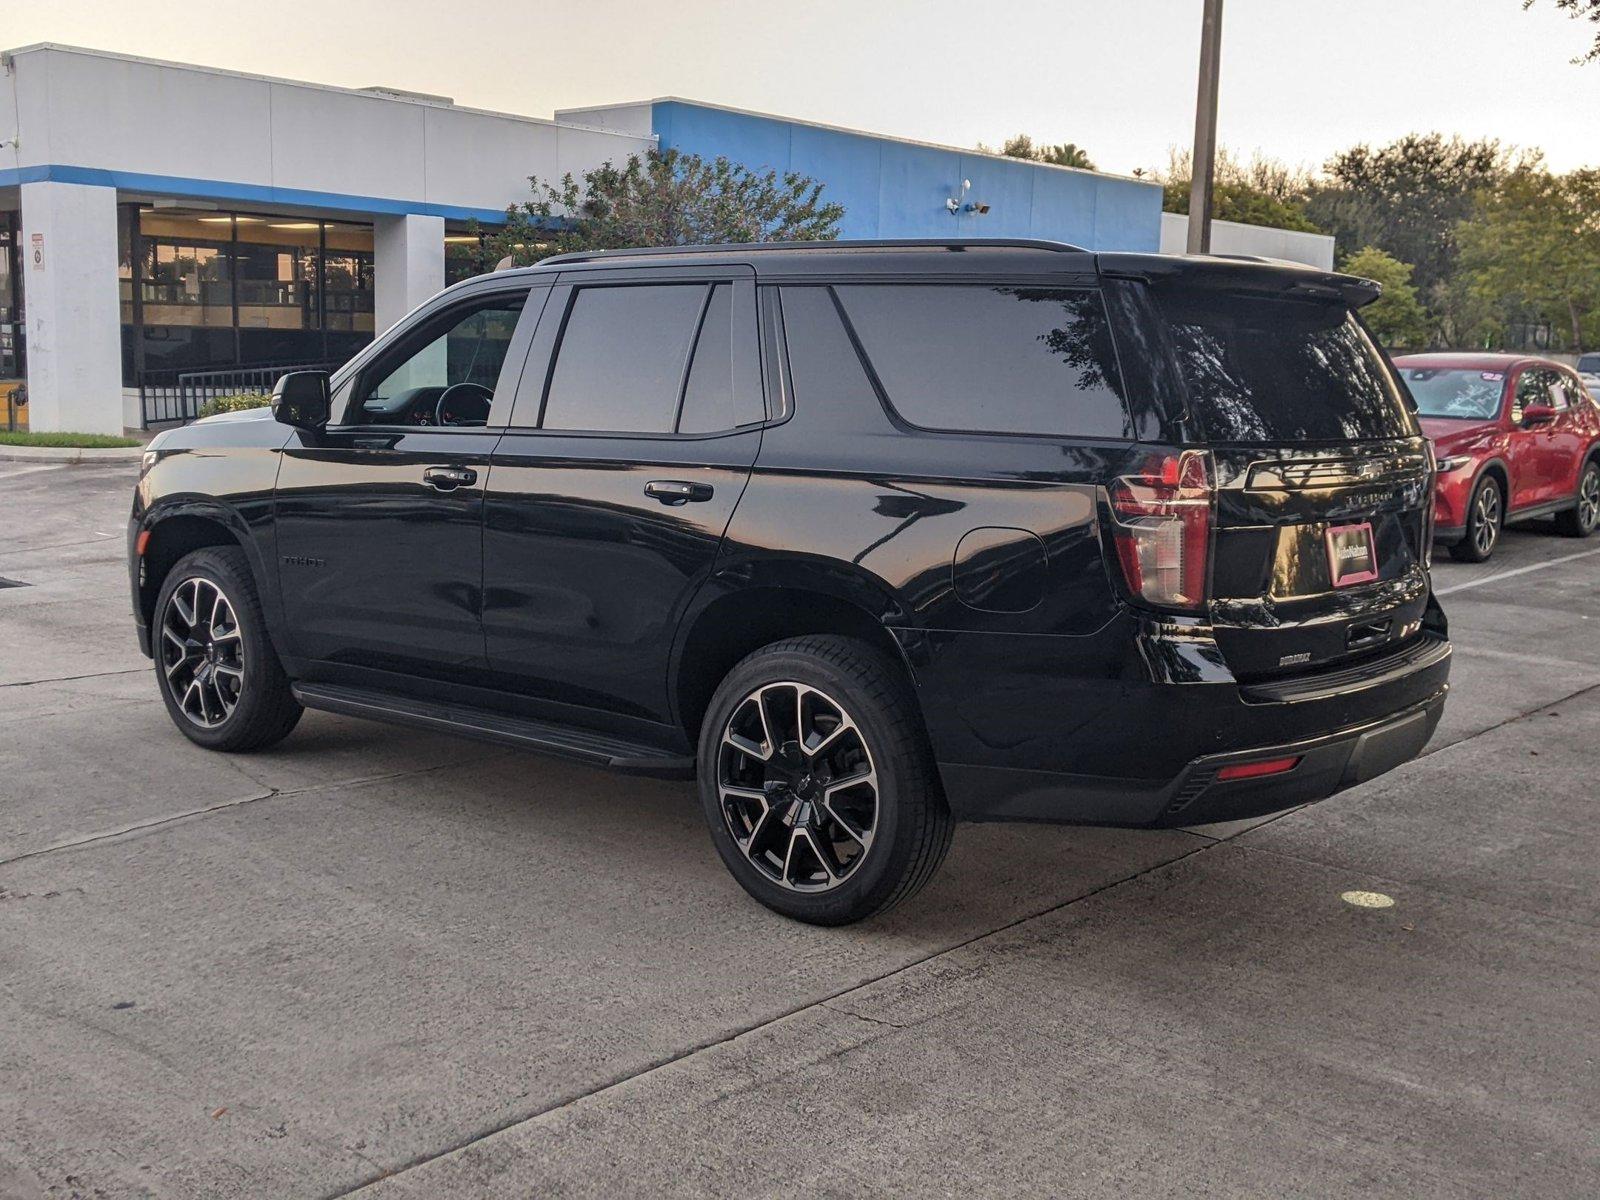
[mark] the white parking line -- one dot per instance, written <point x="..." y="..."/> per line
<point x="1472" y="583"/>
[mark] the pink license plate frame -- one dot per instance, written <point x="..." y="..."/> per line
<point x="1345" y="569"/>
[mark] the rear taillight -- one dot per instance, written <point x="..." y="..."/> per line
<point x="1161" y="522"/>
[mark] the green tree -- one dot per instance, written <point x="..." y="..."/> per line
<point x="1063" y="154"/>
<point x="1408" y="197"/>
<point x="1397" y="317"/>
<point x="662" y="198"/>
<point x="1583" y="10"/>
<point x="1260" y="192"/>
<point x="1535" y="242"/>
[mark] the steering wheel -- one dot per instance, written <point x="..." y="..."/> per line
<point x="463" y="404"/>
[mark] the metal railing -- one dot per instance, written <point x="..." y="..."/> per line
<point x="178" y="396"/>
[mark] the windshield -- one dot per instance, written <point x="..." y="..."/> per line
<point x="1269" y="369"/>
<point x="1589" y="364"/>
<point x="1465" y="395"/>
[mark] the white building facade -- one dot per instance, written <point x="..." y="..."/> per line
<point x="166" y="218"/>
<point x="164" y="224"/>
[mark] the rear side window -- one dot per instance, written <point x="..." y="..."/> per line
<point x="990" y="358"/>
<point x="624" y="363"/>
<point x="1267" y="369"/>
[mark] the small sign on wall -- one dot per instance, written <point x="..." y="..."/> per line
<point x="36" y="255"/>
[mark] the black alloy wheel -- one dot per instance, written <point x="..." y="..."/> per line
<point x="218" y="672"/>
<point x="1583" y="517"/>
<point x="798" y="789"/>
<point x="818" y="782"/>
<point x="1485" y="515"/>
<point x="202" y="652"/>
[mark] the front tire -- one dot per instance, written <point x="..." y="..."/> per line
<point x="817" y="781"/>
<point x="1581" y="519"/>
<point x="1485" y="517"/>
<point x="221" y="680"/>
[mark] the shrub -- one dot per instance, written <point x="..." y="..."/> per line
<point x="237" y="402"/>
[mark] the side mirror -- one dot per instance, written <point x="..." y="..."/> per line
<point x="1538" y="414"/>
<point x="300" y="398"/>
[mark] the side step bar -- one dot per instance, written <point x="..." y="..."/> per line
<point x="582" y="745"/>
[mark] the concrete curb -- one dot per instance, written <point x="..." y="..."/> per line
<point x="70" y="454"/>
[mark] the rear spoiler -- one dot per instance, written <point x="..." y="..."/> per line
<point x="1239" y="273"/>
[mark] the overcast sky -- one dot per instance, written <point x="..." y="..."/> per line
<point x="1300" y="79"/>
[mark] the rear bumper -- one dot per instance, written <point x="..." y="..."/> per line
<point x="1108" y="752"/>
<point x="1328" y="764"/>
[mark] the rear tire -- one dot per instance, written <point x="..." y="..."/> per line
<point x="219" y="676"/>
<point x="818" y="783"/>
<point x="1583" y="517"/>
<point x="1485" y="518"/>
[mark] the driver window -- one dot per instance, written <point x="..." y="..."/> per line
<point x="1532" y="388"/>
<point x="442" y="372"/>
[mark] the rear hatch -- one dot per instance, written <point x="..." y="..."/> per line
<point x="1321" y="481"/>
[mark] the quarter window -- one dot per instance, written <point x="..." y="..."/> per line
<point x="723" y="390"/>
<point x="994" y="359"/>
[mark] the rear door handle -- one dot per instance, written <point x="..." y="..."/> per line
<point x="677" y="491"/>
<point x="448" y="479"/>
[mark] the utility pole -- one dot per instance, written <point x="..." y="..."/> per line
<point x="1203" y="165"/>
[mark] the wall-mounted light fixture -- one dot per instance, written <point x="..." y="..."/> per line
<point x="956" y="205"/>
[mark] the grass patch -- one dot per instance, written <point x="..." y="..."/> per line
<point x="69" y="441"/>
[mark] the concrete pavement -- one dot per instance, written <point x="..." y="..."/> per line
<point x="379" y="961"/>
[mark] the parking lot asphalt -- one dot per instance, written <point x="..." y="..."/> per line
<point x="381" y="962"/>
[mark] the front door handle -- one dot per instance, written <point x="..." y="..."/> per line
<point x="448" y="479"/>
<point x="677" y="491"/>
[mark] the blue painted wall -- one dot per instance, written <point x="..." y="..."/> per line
<point x="895" y="189"/>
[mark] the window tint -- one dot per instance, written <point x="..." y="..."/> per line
<point x="995" y="359"/>
<point x="463" y="345"/>
<point x="622" y="356"/>
<point x="1265" y="369"/>
<point x="825" y="371"/>
<point x="724" y="385"/>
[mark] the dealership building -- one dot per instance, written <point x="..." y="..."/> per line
<point x="168" y="229"/>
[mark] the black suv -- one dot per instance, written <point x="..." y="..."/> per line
<point x="868" y="537"/>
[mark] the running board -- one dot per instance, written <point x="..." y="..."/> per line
<point x="562" y="741"/>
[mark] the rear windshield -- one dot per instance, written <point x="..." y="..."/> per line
<point x="1266" y="369"/>
<point x="1462" y="394"/>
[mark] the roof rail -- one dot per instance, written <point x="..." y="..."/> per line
<point x="839" y="244"/>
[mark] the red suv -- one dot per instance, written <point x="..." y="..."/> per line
<point x="1515" y="438"/>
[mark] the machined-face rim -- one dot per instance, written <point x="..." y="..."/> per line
<point x="202" y="652"/>
<point x="1488" y="530"/>
<point x="797" y="786"/>
<point x="1589" y="499"/>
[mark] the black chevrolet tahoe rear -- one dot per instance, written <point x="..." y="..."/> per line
<point x="869" y="538"/>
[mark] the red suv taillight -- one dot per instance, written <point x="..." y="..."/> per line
<point x="1161" y="522"/>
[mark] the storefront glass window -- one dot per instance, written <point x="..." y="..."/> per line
<point x="203" y="290"/>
